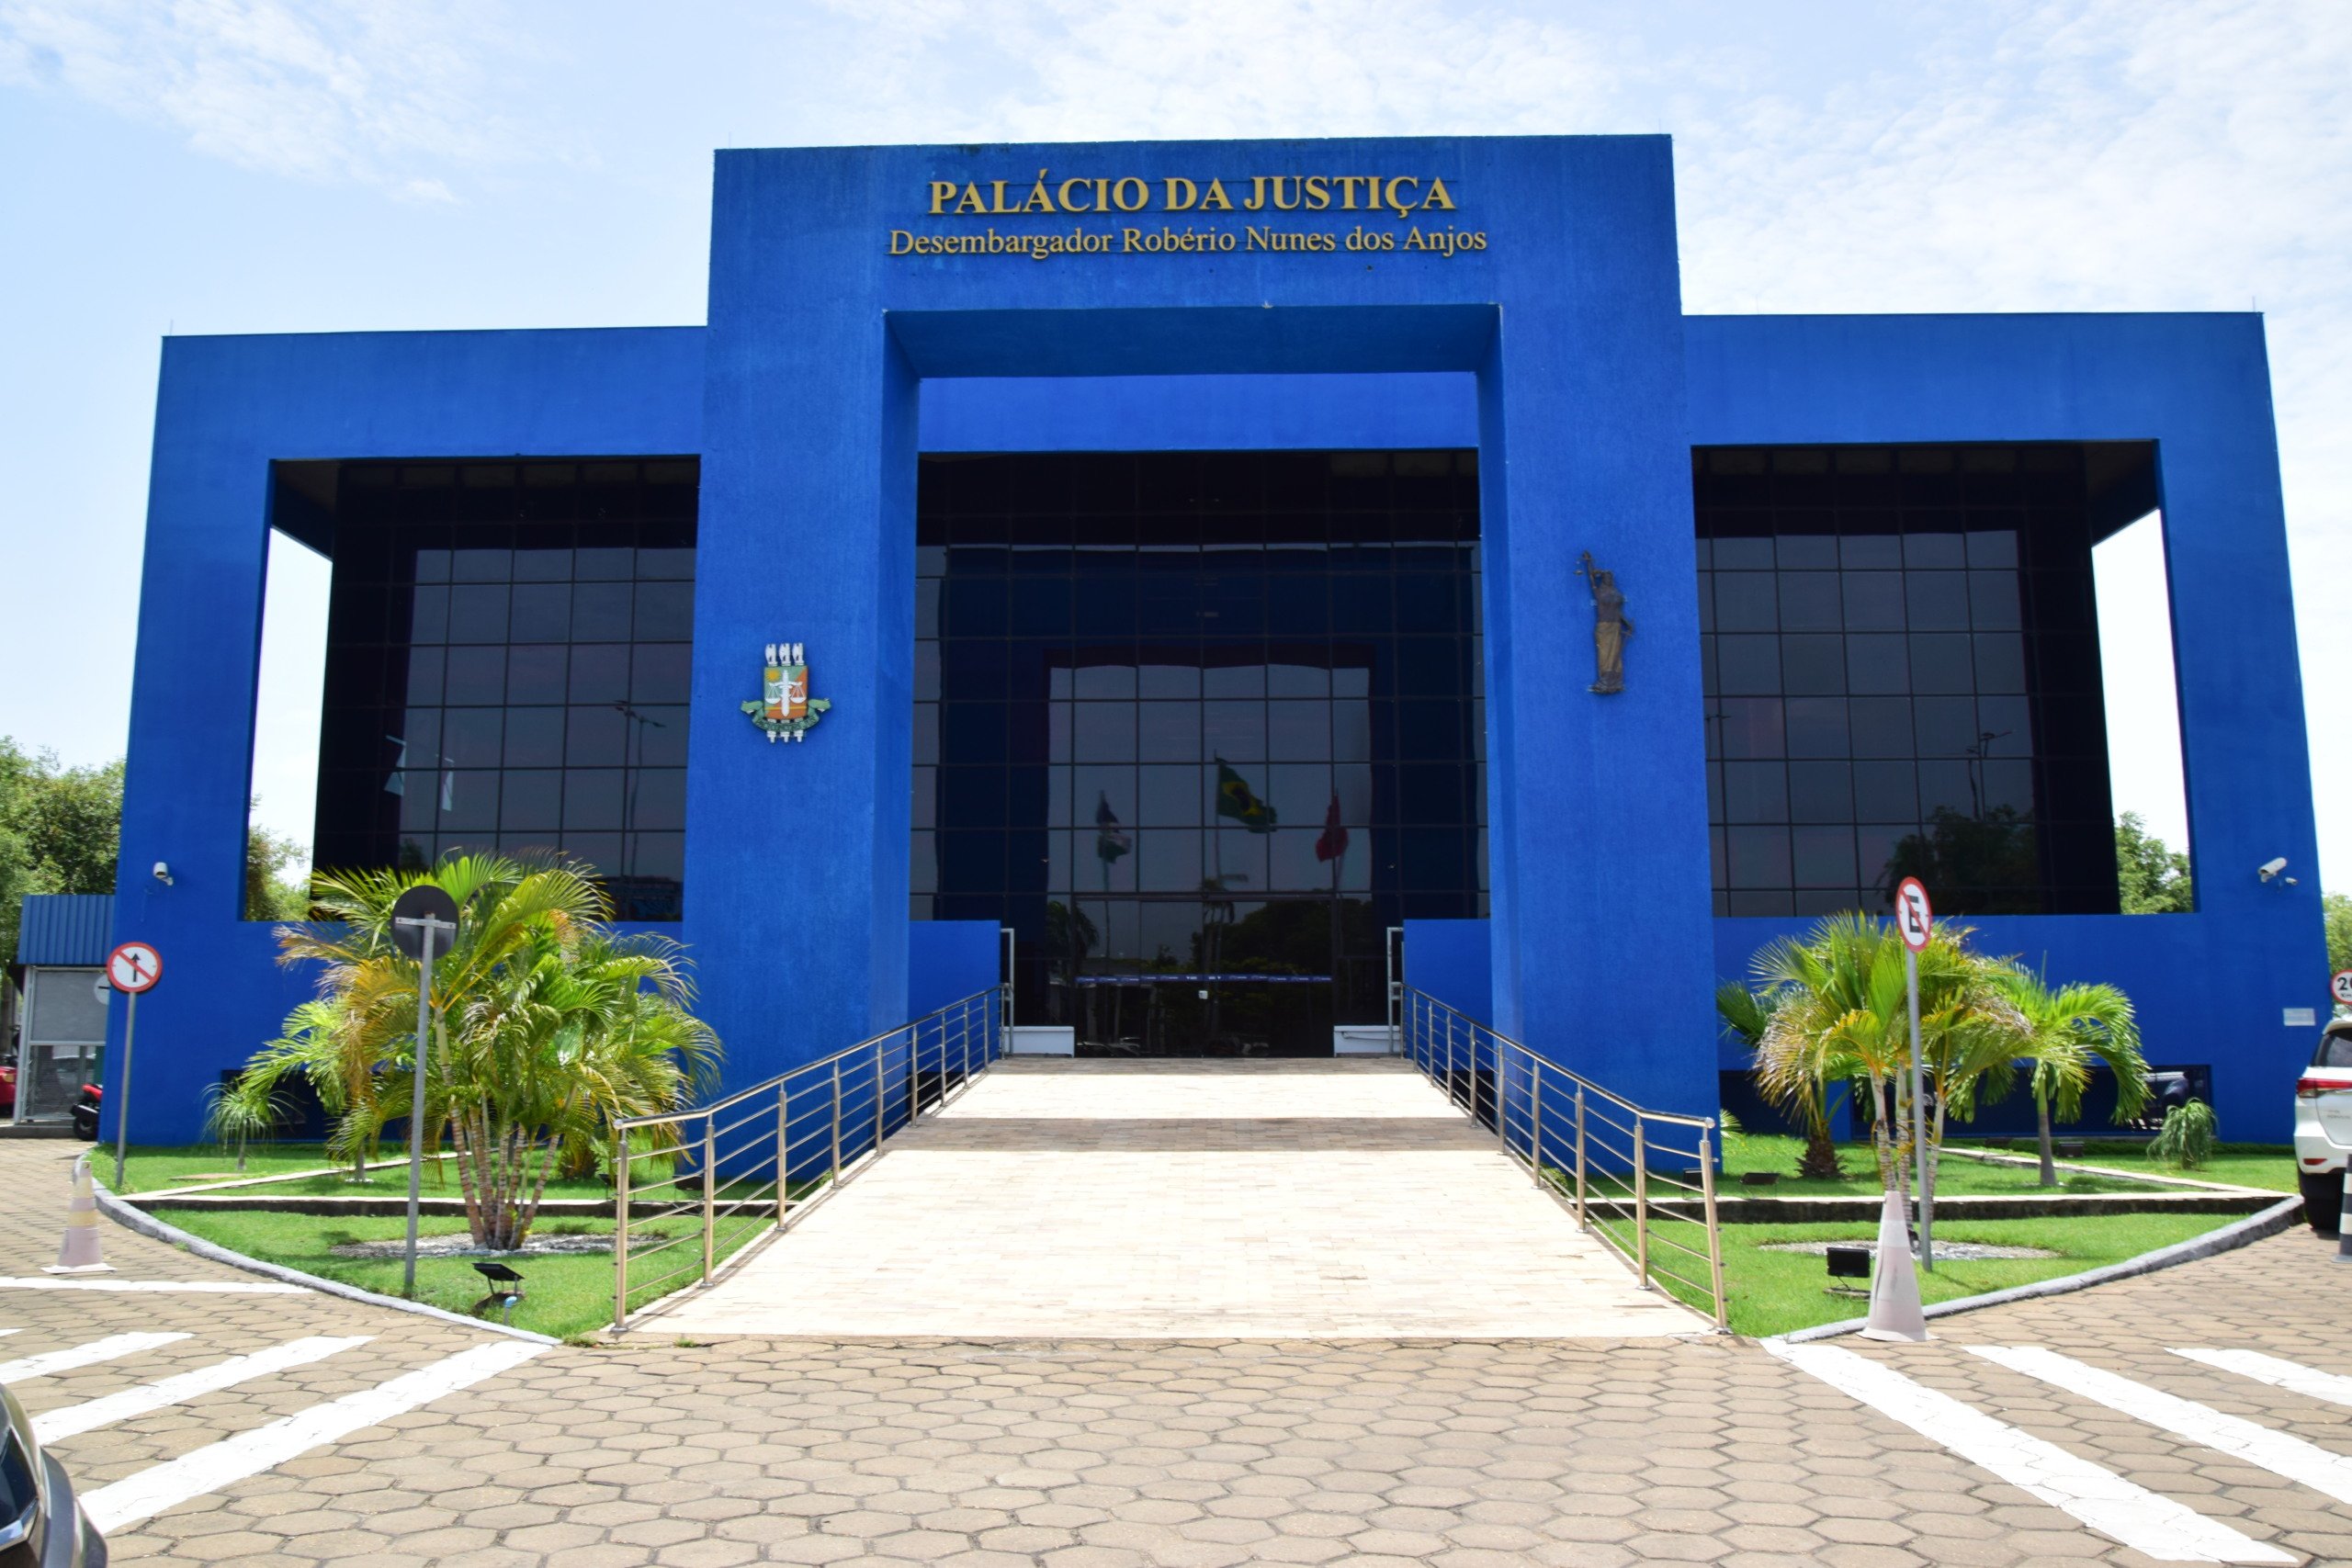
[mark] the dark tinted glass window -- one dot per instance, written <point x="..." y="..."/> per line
<point x="1902" y="672"/>
<point x="508" y="647"/>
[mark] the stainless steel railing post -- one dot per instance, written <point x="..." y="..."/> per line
<point x="620" y="1231"/>
<point x="709" y="1189"/>
<point x="1535" y="1118"/>
<point x="837" y="1124"/>
<point x="1640" y="1205"/>
<point x="1714" y="1234"/>
<point x="879" y="1105"/>
<point x="1580" y="1219"/>
<point x="783" y="1151"/>
<point x="1501" y="1081"/>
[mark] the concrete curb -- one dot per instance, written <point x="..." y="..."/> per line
<point x="147" y="1225"/>
<point x="2282" y="1215"/>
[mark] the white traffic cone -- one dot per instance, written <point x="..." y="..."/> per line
<point x="78" y="1253"/>
<point x="1894" y="1289"/>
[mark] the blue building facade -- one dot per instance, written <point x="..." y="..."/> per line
<point x="1099" y="480"/>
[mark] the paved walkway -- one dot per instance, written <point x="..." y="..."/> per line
<point x="2218" y="1391"/>
<point x="1140" y="1200"/>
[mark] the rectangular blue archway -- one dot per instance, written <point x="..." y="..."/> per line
<point x="1568" y="314"/>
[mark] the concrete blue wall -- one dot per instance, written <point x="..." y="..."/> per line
<point x="226" y="407"/>
<point x="1450" y="960"/>
<point x="2210" y="987"/>
<point x="949" y="960"/>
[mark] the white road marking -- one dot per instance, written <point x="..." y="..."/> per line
<point x="96" y="1350"/>
<point x="150" y="1491"/>
<point x="9" y="1331"/>
<point x="2333" y="1387"/>
<point x="2143" y="1520"/>
<point x="194" y="1287"/>
<point x="2274" y="1451"/>
<point x="51" y="1426"/>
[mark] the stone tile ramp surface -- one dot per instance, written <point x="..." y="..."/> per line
<point x="1140" y="1200"/>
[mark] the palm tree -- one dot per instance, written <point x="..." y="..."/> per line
<point x="1836" y="1011"/>
<point x="548" y="1025"/>
<point x="1839" y="1007"/>
<point x="1746" y="1015"/>
<point x="2069" y="1031"/>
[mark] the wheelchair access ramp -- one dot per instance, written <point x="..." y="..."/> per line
<point x="1136" y="1200"/>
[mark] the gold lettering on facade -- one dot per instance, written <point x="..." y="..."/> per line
<point x="1213" y="199"/>
<point x="1119" y="195"/>
<point x="1182" y="194"/>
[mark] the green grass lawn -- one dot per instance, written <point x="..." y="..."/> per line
<point x="565" y="1294"/>
<point x="1773" y="1292"/>
<point x="2270" y="1166"/>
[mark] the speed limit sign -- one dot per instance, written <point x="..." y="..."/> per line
<point x="2342" y="986"/>
<point x="1915" y="920"/>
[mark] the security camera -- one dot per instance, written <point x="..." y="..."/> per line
<point x="2271" y="868"/>
<point x="163" y="873"/>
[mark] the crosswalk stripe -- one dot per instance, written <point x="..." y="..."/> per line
<point x="2273" y="1450"/>
<point x="49" y="1426"/>
<point x="2144" y="1520"/>
<point x="189" y="1287"/>
<point x="96" y="1350"/>
<point x="149" y="1491"/>
<point x="2333" y="1387"/>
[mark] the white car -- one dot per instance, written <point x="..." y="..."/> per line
<point x="2323" y="1126"/>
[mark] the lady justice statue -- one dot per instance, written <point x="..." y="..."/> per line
<point x="1609" y="628"/>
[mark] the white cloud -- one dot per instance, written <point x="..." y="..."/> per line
<point x="360" y="90"/>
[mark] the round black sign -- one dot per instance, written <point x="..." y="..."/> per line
<point x="423" y="901"/>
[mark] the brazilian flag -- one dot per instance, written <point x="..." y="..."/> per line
<point x="1235" y="800"/>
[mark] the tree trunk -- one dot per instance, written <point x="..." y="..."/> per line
<point x="2048" y="1156"/>
<point x="1820" y="1159"/>
<point x="1935" y="1156"/>
<point x="461" y="1151"/>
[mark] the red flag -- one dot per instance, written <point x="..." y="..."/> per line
<point x="1334" y="842"/>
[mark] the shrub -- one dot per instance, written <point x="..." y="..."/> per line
<point x="2186" y="1141"/>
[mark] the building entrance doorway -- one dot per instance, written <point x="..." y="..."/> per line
<point x="1199" y="727"/>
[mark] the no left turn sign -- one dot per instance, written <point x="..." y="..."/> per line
<point x="1914" y="919"/>
<point x="134" y="967"/>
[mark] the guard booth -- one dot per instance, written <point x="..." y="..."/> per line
<point x="60" y="1039"/>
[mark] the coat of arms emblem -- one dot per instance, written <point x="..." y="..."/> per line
<point x="785" y="710"/>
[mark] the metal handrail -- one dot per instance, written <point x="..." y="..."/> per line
<point x="829" y="1116"/>
<point x="1552" y="1120"/>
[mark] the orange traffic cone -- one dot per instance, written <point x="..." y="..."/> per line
<point x="78" y="1253"/>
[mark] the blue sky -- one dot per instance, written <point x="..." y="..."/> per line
<point x="236" y="165"/>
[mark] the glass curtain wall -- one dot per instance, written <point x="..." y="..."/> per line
<point x="1199" y="726"/>
<point x="1903" y="674"/>
<point x="508" y="647"/>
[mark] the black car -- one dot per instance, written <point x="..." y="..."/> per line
<point x="40" y="1524"/>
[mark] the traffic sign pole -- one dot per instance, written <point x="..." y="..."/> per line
<point x="1919" y="1117"/>
<point x="419" y="916"/>
<point x="132" y="968"/>
<point x="122" y="1108"/>
<point x="1915" y="921"/>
